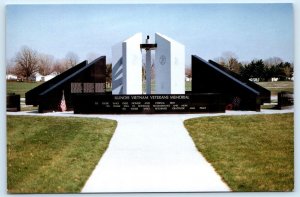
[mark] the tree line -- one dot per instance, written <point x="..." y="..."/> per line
<point x="27" y="62"/>
<point x="258" y="69"/>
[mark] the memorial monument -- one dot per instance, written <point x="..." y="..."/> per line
<point x="169" y="66"/>
<point x="127" y="66"/>
<point x="83" y="78"/>
<point x="214" y="88"/>
<point x="238" y="93"/>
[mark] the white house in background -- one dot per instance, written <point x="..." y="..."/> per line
<point x="11" y="77"/>
<point x="254" y="79"/>
<point x="50" y="76"/>
<point x="187" y="78"/>
<point x="39" y="77"/>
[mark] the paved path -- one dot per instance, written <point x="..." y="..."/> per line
<point x="153" y="153"/>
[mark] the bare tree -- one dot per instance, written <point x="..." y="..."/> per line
<point x="152" y="70"/>
<point x="71" y="59"/>
<point x="108" y="74"/>
<point x="11" y="67"/>
<point x="225" y="58"/>
<point x="144" y="71"/>
<point x="220" y="60"/>
<point x="273" y="61"/>
<point x="288" y="72"/>
<point x="59" y="67"/>
<point x="230" y="61"/>
<point x="228" y="55"/>
<point x="45" y="64"/>
<point x="234" y="65"/>
<point x="91" y="57"/>
<point x="188" y="72"/>
<point x="26" y="62"/>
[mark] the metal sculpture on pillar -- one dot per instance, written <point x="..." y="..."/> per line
<point x="148" y="47"/>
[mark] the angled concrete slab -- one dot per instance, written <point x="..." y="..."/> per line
<point x="169" y="66"/>
<point x="127" y="66"/>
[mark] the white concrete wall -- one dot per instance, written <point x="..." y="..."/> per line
<point x="117" y="69"/>
<point x="162" y="65"/>
<point x="132" y="61"/>
<point x="169" y="66"/>
<point x="127" y="66"/>
<point x="177" y="68"/>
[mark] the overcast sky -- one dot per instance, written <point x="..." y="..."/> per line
<point x="250" y="31"/>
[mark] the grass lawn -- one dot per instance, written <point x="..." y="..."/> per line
<point x="20" y="87"/>
<point x="251" y="153"/>
<point x="29" y="108"/>
<point x="54" y="154"/>
<point x="274" y="87"/>
<point x="278" y="86"/>
<point x="188" y="86"/>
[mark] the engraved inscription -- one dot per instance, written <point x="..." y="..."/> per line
<point x="76" y="88"/>
<point x="177" y="103"/>
<point x="88" y="87"/>
<point x="162" y="59"/>
<point x="99" y="87"/>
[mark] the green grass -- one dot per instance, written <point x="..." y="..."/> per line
<point x="273" y="106"/>
<point x="278" y="86"/>
<point x="251" y="153"/>
<point x="54" y="154"/>
<point x="20" y="87"/>
<point x="188" y="86"/>
<point x="29" y="108"/>
<point x="274" y="87"/>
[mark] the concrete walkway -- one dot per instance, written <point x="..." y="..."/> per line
<point x="153" y="153"/>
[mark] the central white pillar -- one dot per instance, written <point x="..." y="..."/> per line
<point x="148" y="47"/>
<point x="148" y="71"/>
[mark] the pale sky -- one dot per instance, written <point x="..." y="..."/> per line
<point x="251" y="31"/>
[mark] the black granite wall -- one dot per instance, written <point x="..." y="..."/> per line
<point x="208" y="78"/>
<point x="265" y="95"/>
<point x="83" y="78"/>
